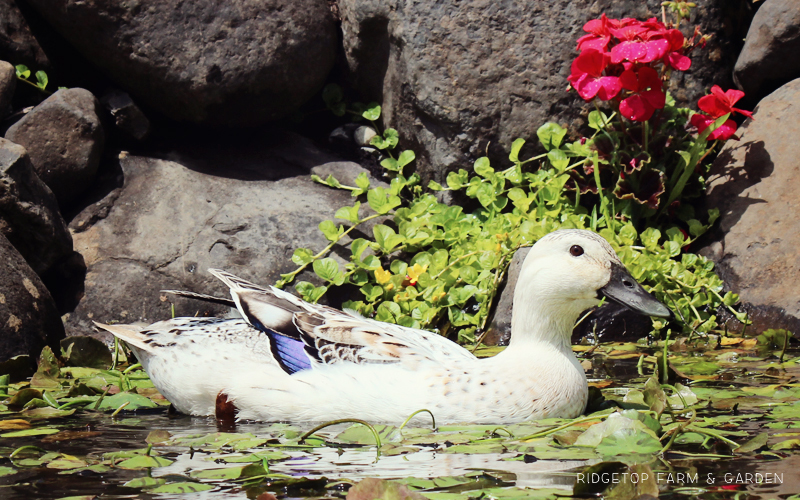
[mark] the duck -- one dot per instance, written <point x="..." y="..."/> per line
<point x="289" y="360"/>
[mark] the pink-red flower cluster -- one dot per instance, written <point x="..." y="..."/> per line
<point x="716" y="105"/>
<point x="619" y="59"/>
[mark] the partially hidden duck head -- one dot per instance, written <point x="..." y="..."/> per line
<point x="567" y="272"/>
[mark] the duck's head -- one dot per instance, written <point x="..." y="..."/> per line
<point x="569" y="270"/>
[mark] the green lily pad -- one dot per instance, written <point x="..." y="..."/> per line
<point x="184" y="487"/>
<point x="145" y="482"/>
<point x="628" y="441"/>
<point x="380" y="489"/>
<point x="144" y="462"/>
<point x="754" y="444"/>
<point x="5" y="471"/>
<point x="47" y="373"/>
<point x="134" y="402"/>
<point x="85" y="351"/>
<point x="41" y="431"/>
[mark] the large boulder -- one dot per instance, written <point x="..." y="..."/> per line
<point x="29" y="215"/>
<point x="239" y="205"/>
<point x="8" y="83"/>
<point x="754" y="182"/>
<point x="455" y="76"/>
<point x="28" y="316"/>
<point x="769" y="56"/>
<point x="17" y="43"/>
<point x="64" y="138"/>
<point x="239" y="62"/>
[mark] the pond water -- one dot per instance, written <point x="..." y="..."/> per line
<point x="151" y="453"/>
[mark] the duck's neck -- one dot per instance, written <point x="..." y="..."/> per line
<point x="539" y="322"/>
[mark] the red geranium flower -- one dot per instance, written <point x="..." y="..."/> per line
<point x="637" y="44"/>
<point x="721" y="103"/>
<point x="647" y="96"/>
<point x="587" y="76"/>
<point x="724" y="132"/>
<point x="675" y="58"/>
<point x="599" y="33"/>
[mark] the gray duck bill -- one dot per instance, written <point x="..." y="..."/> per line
<point x="625" y="290"/>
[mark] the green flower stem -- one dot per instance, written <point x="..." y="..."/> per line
<point x="406" y="421"/>
<point x="342" y="421"/>
<point x="34" y="85"/>
<point x="288" y="278"/>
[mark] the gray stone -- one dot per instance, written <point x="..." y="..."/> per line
<point x="754" y="183"/>
<point x="17" y="43"/>
<point x="64" y="138"/>
<point x="128" y="117"/>
<point x="239" y="62"/>
<point x="455" y="76"/>
<point x="241" y="206"/>
<point x="28" y="317"/>
<point x="769" y="57"/>
<point x="8" y="83"/>
<point x="29" y="215"/>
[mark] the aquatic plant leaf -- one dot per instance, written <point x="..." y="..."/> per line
<point x="47" y="373"/>
<point x="628" y="441"/>
<point x="789" y="412"/>
<point x="144" y="462"/>
<point x="754" y="444"/>
<point x="654" y="396"/>
<point x="134" y="402"/>
<point x="40" y="431"/>
<point x="789" y="444"/>
<point x="185" y="487"/>
<point x="45" y="413"/>
<point x="5" y="471"/>
<point x="361" y="434"/>
<point x="595" y="434"/>
<point x="67" y="462"/>
<point x="14" y="424"/>
<point x="158" y="436"/>
<point x="145" y="482"/>
<point x="269" y="455"/>
<point x="226" y="473"/>
<point x="380" y="489"/>
<point x="85" y="351"/>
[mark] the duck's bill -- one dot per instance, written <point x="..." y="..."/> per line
<point x="625" y="290"/>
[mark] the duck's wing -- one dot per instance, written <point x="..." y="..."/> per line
<point x="330" y="336"/>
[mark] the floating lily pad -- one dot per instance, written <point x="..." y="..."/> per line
<point x="85" y="351"/>
<point x="185" y="487"/>
<point x="41" y="431"/>
<point x="145" y="482"/>
<point x="143" y="462"/>
<point x="134" y="402"/>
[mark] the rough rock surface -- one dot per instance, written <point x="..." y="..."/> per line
<point x="128" y="117"/>
<point x="64" y="138"/>
<point x="239" y="62"/>
<point x="17" y="43"/>
<point x="29" y="215"/>
<point x="454" y="76"/>
<point x="754" y="184"/>
<point x="28" y="317"/>
<point x="172" y="220"/>
<point x="769" y="57"/>
<point x="8" y="83"/>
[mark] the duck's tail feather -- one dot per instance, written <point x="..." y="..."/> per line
<point x="131" y="334"/>
<point x="201" y="296"/>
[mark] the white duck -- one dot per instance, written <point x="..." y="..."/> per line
<point x="291" y="360"/>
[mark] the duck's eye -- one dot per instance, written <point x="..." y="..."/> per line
<point x="576" y="250"/>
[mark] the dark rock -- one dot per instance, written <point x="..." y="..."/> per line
<point x="754" y="183"/>
<point x="64" y="138"/>
<point x="8" y="82"/>
<point x="455" y="76"/>
<point x="29" y="215"/>
<point x="172" y="220"/>
<point x="769" y="57"/>
<point x="28" y="316"/>
<point x="231" y="63"/>
<point x="128" y="117"/>
<point x="17" y="43"/>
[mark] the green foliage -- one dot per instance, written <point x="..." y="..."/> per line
<point x="436" y="266"/>
<point x="23" y="74"/>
